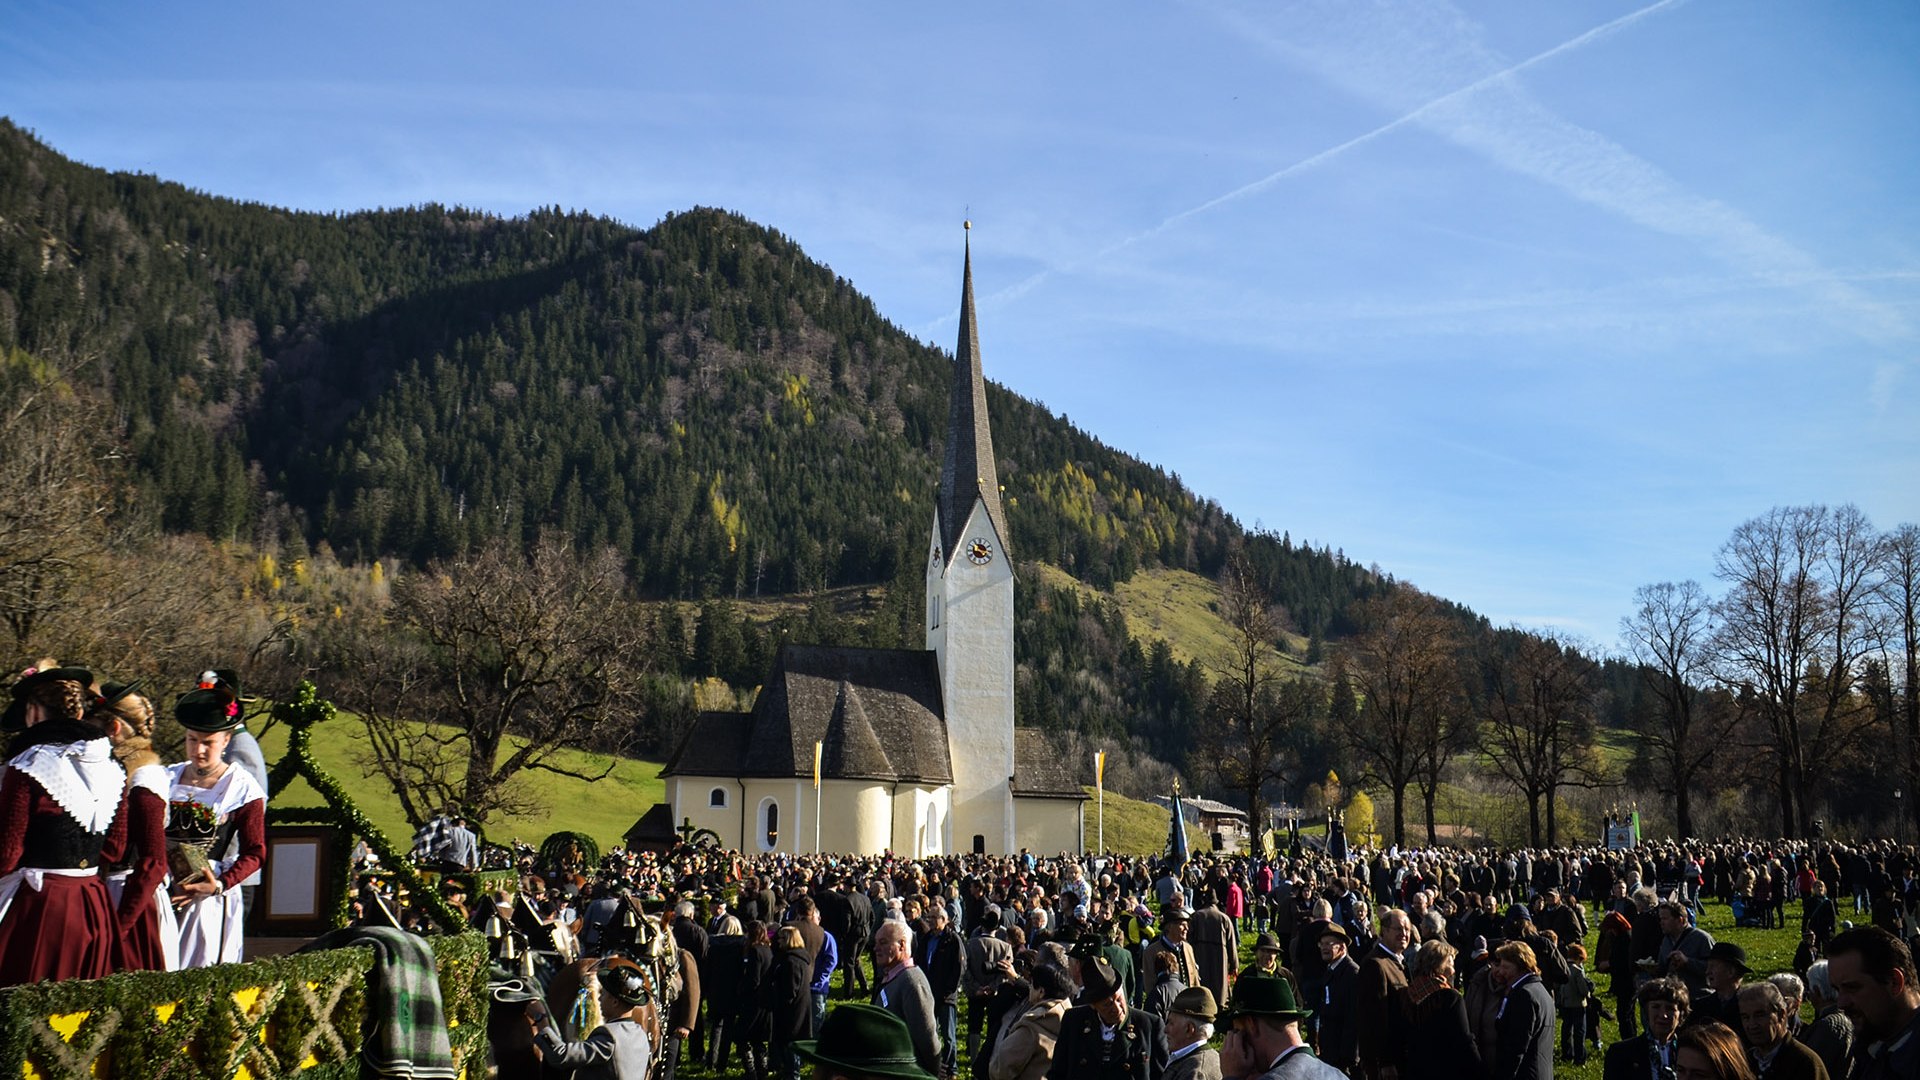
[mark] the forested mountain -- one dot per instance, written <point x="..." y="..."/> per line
<point x="700" y="395"/>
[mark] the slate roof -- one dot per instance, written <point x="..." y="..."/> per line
<point x="653" y="831"/>
<point x="1039" y="770"/>
<point x="968" y="470"/>
<point x="878" y="712"/>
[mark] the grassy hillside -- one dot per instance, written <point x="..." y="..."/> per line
<point x="602" y="809"/>
<point x="1135" y="827"/>
<point x="1179" y="607"/>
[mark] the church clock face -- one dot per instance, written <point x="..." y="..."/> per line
<point x="979" y="551"/>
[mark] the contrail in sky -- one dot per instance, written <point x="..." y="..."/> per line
<point x="1020" y="288"/>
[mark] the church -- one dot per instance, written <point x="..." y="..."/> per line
<point x="916" y="750"/>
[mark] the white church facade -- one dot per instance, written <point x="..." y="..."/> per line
<point x="919" y="753"/>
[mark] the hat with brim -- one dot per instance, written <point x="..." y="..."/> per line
<point x="624" y="979"/>
<point x="207" y="711"/>
<point x="1173" y="915"/>
<point x="1266" y="943"/>
<point x="1728" y="953"/>
<point x="1099" y="979"/>
<point x="15" y="718"/>
<point x="1197" y="1002"/>
<point x="1334" y="929"/>
<point x="1264" y="995"/>
<point x="864" y="1040"/>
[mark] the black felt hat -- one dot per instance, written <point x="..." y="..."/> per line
<point x="1099" y="978"/>
<point x="625" y="980"/>
<point x="15" y="718"/>
<point x="1729" y="953"/>
<point x="212" y="706"/>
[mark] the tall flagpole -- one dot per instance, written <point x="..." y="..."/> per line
<point x="1100" y="795"/>
<point x="817" y="747"/>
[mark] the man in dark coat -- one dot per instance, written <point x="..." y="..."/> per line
<point x="1338" y="1024"/>
<point x="942" y="956"/>
<point x="721" y="979"/>
<point x="1104" y="1039"/>
<point x="836" y="918"/>
<point x="1644" y="1056"/>
<point x="988" y="960"/>
<point x="1379" y="990"/>
<point x="1526" y="1020"/>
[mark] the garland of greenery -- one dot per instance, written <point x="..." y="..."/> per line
<point x="300" y="714"/>
<point x="269" y="1015"/>
<point x="554" y="848"/>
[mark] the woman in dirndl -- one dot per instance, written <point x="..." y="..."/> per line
<point x="219" y="808"/>
<point x="149" y="935"/>
<point x="61" y="817"/>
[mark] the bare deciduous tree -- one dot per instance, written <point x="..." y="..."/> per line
<point x="1900" y="594"/>
<point x="56" y="499"/>
<point x="1794" y="632"/>
<point x="1537" y="702"/>
<point x="1251" y="712"/>
<point x="1669" y="635"/>
<point x="1403" y="667"/>
<point x="497" y="661"/>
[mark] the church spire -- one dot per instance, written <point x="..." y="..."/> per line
<point x="969" y="470"/>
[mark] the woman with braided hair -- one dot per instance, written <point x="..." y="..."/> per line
<point x="62" y="814"/>
<point x="149" y="935"/>
<point x="217" y="812"/>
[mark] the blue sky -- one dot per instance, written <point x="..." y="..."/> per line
<point x="1528" y="303"/>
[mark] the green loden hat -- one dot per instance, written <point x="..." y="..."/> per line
<point x="1264" y="995"/>
<point x="864" y="1040"/>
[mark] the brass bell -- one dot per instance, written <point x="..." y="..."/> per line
<point x="629" y="920"/>
<point x="495" y="928"/>
<point x="510" y="947"/>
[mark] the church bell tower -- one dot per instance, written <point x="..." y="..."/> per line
<point x="969" y="612"/>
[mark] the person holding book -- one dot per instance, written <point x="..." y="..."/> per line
<point x="216" y="829"/>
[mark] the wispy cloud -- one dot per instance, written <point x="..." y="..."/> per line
<point x="1394" y="55"/>
<point x="1416" y="115"/>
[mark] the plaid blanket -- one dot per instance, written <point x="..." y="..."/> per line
<point x="405" y="1034"/>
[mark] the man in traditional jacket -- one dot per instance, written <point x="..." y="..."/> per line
<point x="1104" y="1039"/>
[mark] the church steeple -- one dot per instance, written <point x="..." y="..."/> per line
<point x="969" y="470"/>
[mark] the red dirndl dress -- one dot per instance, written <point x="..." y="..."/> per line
<point x="62" y="813"/>
<point x="149" y="938"/>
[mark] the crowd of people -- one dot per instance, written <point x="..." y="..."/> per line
<point x="1392" y="965"/>
<point x="1386" y="965"/>
<point x="109" y="860"/>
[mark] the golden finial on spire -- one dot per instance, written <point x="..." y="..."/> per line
<point x="967" y="224"/>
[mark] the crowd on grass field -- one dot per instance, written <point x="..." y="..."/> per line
<point x="1394" y="965"/>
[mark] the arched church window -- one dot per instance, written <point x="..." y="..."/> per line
<point x="717" y="798"/>
<point x="769" y="825"/>
<point x="933" y="612"/>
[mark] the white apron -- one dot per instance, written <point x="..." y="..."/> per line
<point x="210" y="927"/>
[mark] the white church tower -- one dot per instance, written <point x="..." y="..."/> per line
<point x="970" y="608"/>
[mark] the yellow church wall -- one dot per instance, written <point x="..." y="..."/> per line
<point x="689" y="798"/>
<point x="1048" y="826"/>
